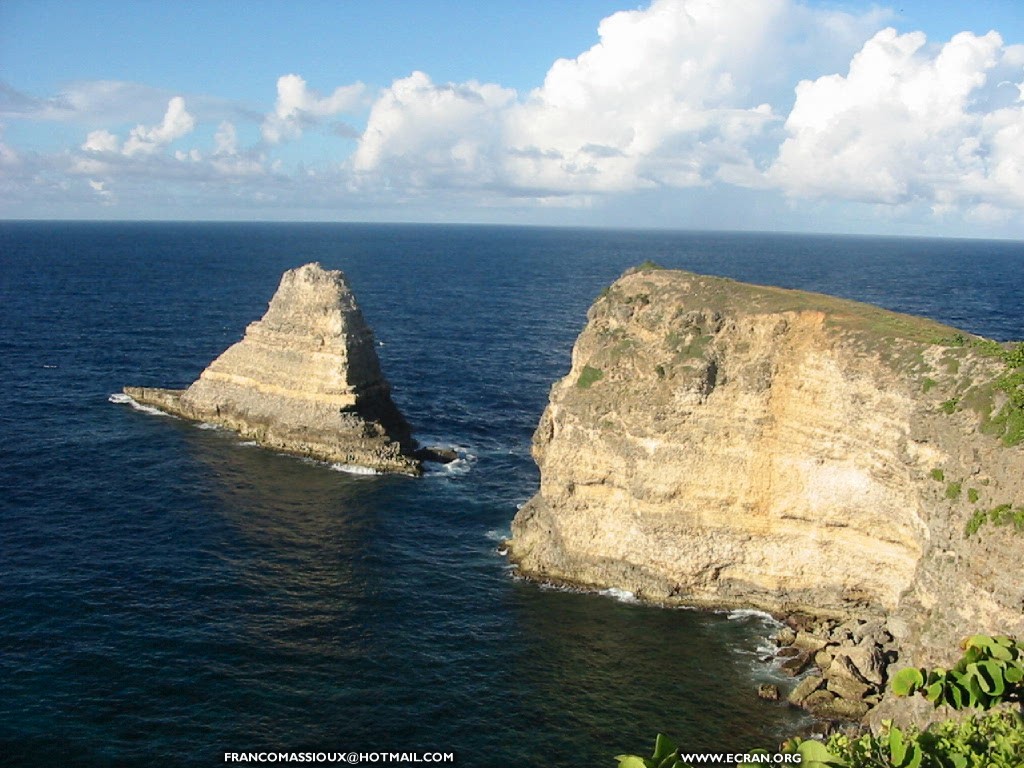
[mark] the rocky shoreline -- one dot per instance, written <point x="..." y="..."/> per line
<point x="843" y="665"/>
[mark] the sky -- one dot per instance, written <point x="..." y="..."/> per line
<point x="778" y="115"/>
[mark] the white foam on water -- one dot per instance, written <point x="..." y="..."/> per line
<point x="207" y="425"/>
<point x="615" y="593"/>
<point x="751" y="613"/>
<point x="353" y="469"/>
<point x="622" y="595"/>
<point x="456" y="468"/>
<point x="498" y="535"/>
<point x="248" y="444"/>
<point x="122" y="399"/>
<point x="52" y="366"/>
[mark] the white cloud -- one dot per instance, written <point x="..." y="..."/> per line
<point x="101" y="141"/>
<point x="104" y="194"/>
<point x="663" y="99"/>
<point x="678" y="94"/>
<point x="226" y="139"/>
<point x="177" y="122"/>
<point x="297" y="107"/>
<point x="911" y="123"/>
<point x="680" y="101"/>
<point x="422" y="133"/>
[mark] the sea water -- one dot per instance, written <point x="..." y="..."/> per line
<point x="170" y="593"/>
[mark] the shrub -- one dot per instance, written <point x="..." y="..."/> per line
<point x="588" y="376"/>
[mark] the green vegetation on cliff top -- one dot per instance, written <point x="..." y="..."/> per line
<point x="720" y="293"/>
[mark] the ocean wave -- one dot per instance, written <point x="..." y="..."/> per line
<point x="615" y="593"/>
<point x="738" y="614"/>
<point x="622" y="595"/>
<point x="352" y="469"/>
<point x="122" y="399"/>
<point x="461" y="465"/>
<point x="499" y="535"/>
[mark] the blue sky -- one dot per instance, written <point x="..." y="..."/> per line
<point x="727" y="114"/>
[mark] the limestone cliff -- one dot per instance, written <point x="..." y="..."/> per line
<point x="721" y="444"/>
<point x="305" y="379"/>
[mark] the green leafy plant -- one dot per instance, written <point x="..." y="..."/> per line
<point x="999" y="516"/>
<point x="990" y="672"/>
<point x="953" y="490"/>
<point x="665" y="755"/>
<point x="972" y="495"/>
<point x="813" y="754"/>
<point x="992" y="740"/>
<point x="938" y="474"/>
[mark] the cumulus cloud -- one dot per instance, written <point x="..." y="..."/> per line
<point x="765" y="95"/>
<point x="428" y="133"/>
<point x="101" y="141"/>
<point x="662" y="99"/>
<point x="678" y="94"/>
<point x="909" y="123"/>
<point x="142" y="140"/>
<point x="298" y="106"/>
<point x="177" y="122"/>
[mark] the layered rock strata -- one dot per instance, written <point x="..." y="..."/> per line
<point x="727" y="445"/>
<point x="305" y="379"/>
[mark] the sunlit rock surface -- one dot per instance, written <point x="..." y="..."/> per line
<point x="304" y="380"/>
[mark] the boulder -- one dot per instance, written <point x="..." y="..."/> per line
<point x="805" y="688"/>
<point x="805" y="641"/>
<point x="794" y="665"/>
<point x="867" y="662"/>
<point x="768" y="692"/>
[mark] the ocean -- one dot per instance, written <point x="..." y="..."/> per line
<point x="170" y="593"/>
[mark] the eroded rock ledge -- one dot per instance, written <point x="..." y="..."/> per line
<point x="727" y="445"/>
<point x="305" y="379"/>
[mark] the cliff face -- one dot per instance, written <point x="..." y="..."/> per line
<point x="305" y="379"/>
<point x="723" y="444"/>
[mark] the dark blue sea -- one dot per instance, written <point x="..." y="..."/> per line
<point x="169" y="593"/>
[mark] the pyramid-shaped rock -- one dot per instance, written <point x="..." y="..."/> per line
<point x="305" y="379"/>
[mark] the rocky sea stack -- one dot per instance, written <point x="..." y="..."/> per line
<point x="728" y="445"/>
<point x="304" y="380"/>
